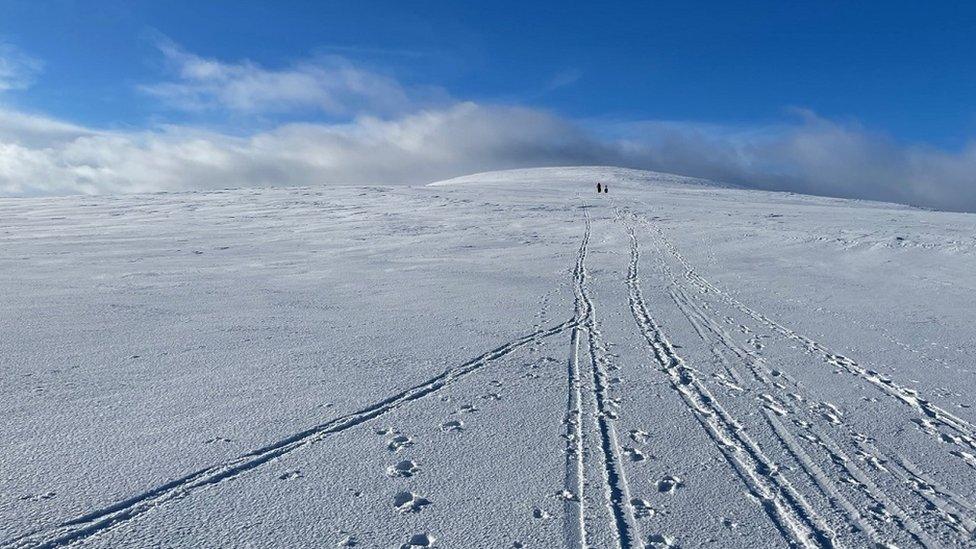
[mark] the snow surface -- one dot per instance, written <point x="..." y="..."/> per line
<point x="500" y="360"/>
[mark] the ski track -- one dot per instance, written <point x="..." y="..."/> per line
<point x="771" y="409"/>
<point x="952" y="513"/>
<point x="789" y="392"/>
<point x="808" y="430"/>
<point x="110" y="517"/>
<point x="795" y="519"/>
<point x="573" y="486"/>
<point x="935" y="420"/>
<point x="617" y="491"/>
<point x="575" y="476"/>
<point x="623" y="526"/>
<point x="966" y="432"/>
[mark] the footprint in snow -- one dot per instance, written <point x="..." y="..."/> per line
<point x="566" y="495"/>
<point x="408" y="502"/>
<point x="453" y="425"/>
<point x="491" y="396"/>
<point x="288" y="475"/>
<point x="540" y="513"/>
<point x="38" y="497"/>
<point x="642" y="508"/>
<point x="467" y="409"/>
<point x="405" y="469"/>
<point x="399" y="442"/>
<point x="419" y="540"/>
<point x="633" y="454"/>
<point x="217" y="440"/>
<point x="669" y="484"/>
<point x="640" y="436"/>
<point x="879" y="511"/>
<point x="660" y="540"/>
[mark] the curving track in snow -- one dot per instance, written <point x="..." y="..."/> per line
<point x="678" y="405"/>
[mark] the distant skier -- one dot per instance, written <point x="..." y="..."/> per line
<point x="597" y="188"/>
<point x="606" y="189"/>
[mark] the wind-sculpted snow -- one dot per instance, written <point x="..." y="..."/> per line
<point x="502" y="360"/>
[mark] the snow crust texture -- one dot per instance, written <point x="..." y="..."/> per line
<point x="501" y="360"/>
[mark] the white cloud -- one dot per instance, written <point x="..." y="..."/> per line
<point x="43" y="156"/>
<point x="391" y="138"/>
<point x="813" y="156"/>
<point x="329" y="84"/>
<point x="564" y="78"/>
<point x="412" y="149"/>
<point x="17" y="69"/>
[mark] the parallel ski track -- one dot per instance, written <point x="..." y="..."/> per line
<point x="961" y="432"/>
<point x="575" y="475"/>
<point x="107" y="518"/>
<point x="704" y="325"/>
<point x="952" y="512"/>
<point x="789" y="392"/>
<point x="617" y="490"/>
<point x="793" y="516"/>
<point x="942" y="425"/>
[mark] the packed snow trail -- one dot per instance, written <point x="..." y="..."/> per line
<point x="684" y="364"/>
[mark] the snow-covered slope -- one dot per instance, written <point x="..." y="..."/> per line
<point x="502" y="360"/>
<point x="585" y="176"/>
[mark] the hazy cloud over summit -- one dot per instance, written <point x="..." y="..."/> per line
<point x="368" y="127"/>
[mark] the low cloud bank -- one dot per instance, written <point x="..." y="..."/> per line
<point x="812" y="156"/>
<point x="41" y="156"/>
<point x="394" y="134"/>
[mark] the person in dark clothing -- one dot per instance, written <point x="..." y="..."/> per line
<point x="597" y="188"/>
<point x="606" y="189"/>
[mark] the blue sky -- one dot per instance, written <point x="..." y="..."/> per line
<point x="898" y="77"/>
<point x="908" y="68"/>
